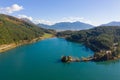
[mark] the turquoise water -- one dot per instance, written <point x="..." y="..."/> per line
<point x="41" y="61"/>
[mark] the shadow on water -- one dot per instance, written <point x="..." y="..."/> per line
<point x="63" y="64"/>
<point x="58" y="61"/>
<point x="106" y="63"/>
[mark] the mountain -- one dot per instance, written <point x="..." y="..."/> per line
<point x="44" y="26"/>
<point x="114" y="23"/>
<point x="67" y="26"/>
<point x="14" y="30"/>
<point x="103" y="40"/>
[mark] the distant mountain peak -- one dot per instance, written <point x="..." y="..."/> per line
<point x="113" y="23"/>
<point x="68" y="26"/>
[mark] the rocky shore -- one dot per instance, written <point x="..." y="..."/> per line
<point x="67" y="59"/>
<point x="6" y="47"/>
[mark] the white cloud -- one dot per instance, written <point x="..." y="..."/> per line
<point x="36" y="21"/>
<point x="27" y="17"/>
<point x="11" y="9"/>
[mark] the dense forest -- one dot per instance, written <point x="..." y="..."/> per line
<point x="13" y="30"/>
<point x="102" y="39"/>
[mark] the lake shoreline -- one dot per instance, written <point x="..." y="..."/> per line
<point x="6" y="47"/>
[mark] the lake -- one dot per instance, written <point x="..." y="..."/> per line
<point x="41" y="61"/>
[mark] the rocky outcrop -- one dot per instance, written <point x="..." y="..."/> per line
<point x="72" y="59"/>
<point x="66" y="59"/>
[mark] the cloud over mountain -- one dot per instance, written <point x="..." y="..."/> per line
<point x="11" y="9"/>
<point x="25" y="16"/>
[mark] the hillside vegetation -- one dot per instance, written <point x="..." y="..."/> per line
<point x="14" y="30"/>
<point x="103" y="40"/>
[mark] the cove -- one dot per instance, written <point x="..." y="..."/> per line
<point x="41" y="61"/>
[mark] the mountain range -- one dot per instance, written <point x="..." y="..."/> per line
<point x="113" y="23"/>
<point x="62" y="26"/>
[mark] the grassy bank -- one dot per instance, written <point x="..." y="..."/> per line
<point x="46" y="35"/>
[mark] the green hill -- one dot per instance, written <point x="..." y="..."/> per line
<point x="14" y="30"/>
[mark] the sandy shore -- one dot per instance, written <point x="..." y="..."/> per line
<point x="6" y="47"/>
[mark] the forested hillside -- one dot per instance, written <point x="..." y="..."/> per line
<point x="102" y="40"/>
<point x="13" y="30"/>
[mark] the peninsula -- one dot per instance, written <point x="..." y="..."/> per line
<point x="103" y="40"/>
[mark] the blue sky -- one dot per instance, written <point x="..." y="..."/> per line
<point x="95" y="12"/>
